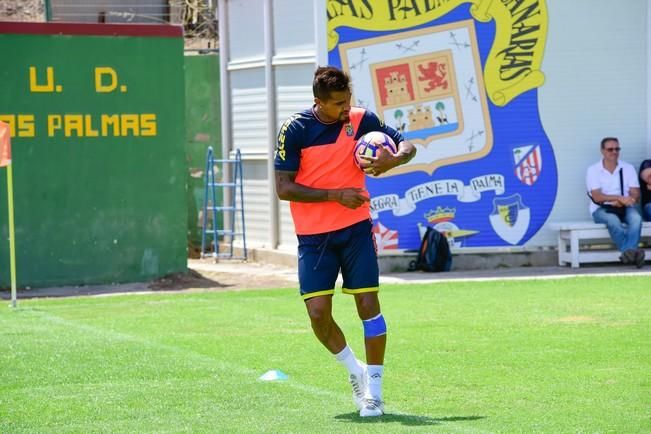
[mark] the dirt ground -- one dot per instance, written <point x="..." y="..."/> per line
<point x="218" y="276"/>
<point x="202" y="275"/>
<point x="23" y="10"/>
<point x="206" y="275"/>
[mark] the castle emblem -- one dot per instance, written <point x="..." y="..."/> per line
<point x="429" y="89"/>
<point x="414" y="88"/>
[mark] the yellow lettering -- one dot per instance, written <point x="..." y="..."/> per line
<point x="47" y="87"/>
<point x="148" y="124"/>
<point x="102" y="71"/>
<point x="110" y="121"/>
<point x="26" y="126"/>
<point x="130" y="122"/>
<point x="53" y="123"/>
<point x="88" y="127"/>
<point x="73" y="123"/>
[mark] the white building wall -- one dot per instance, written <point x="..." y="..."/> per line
<point x="596" y="82"/>
<point x="294" y="94"/>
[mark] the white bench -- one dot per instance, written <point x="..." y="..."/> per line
<point x="588" y="242"/>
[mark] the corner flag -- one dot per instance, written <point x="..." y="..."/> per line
<point x="5" y="161"/>
<point x="5" y="145"/>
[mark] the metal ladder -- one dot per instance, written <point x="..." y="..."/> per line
<point x="229" y="184"/>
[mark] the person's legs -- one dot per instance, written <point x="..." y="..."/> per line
<point x="318" y="267"/>
<point x="368" y="309"/>
<point x="618" y="232"/>
<point x="319" y="309"/>
<point x="634" y="230"/>
<point x="647" y="212"/>
<point x="375" y="341"/>
<point x="360" y="272"/>
<point x="330" y="335"/>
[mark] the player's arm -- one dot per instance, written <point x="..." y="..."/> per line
<point x="406" y="151"/>
<point x="288" y="189"/>
<point x="386" y="160"/>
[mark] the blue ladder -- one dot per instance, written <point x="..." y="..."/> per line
<point x="233" y="184"/>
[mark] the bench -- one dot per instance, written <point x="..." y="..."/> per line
<point x="588" y="242"/>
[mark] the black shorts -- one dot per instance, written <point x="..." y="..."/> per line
<point x="351" y="250"/>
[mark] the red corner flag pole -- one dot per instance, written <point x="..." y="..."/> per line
<point x="5" y="161"/>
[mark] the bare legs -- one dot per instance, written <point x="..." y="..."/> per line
<point x="368" y="306"/>
<point x="325" y="328"/>
<point x="330" y="335"/>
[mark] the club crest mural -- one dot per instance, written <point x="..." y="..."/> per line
<point x="459" y="79"/>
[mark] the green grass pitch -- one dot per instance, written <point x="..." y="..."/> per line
<point x="555" y="356"/>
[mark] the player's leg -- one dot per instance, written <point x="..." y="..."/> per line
<point x="375" y="329"/>
<point x="319" y="309"/>
<point x="318" y="267"/>
<point x="375" y="340"/>
<point x="361" y="278"/>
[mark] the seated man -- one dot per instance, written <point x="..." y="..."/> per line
<point x="645" y="185"/>
<point x="614" y="189"/>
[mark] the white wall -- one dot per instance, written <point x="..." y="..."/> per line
<point x="293" y="60"/>
<point x="294" y="93"/>
<point x="596" y="82"/>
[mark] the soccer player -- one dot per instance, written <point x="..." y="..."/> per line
<point x="316" y="172"/>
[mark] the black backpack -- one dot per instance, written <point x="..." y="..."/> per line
<point x="434" y="253"/>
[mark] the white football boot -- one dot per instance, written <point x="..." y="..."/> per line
<point x="372" y="407"/>
<point x="359" y="384"/>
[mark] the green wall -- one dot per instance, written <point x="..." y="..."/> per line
<point x="102" y="198"/>
<point x="203" y="129"/>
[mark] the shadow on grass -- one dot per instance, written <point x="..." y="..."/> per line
<point x="405" y="419"/>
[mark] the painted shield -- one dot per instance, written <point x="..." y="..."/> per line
<point x="435" y="97"/>
<point x="528" y="163"/>
<point x="460" y="81"/>
<point x="510" y="218"/>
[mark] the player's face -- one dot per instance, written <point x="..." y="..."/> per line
<point x="335" y="108"/>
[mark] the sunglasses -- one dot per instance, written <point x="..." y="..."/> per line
<point x="613" y="149"/>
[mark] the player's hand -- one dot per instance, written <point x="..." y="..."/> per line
<point x="349" y="197"/>
<point x="384" y="160"/>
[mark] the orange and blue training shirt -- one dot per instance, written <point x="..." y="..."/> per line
<point x="321" y="154"/>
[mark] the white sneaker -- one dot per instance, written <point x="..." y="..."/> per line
<point x="372" y="408"/>
<point x="359" y="385"/>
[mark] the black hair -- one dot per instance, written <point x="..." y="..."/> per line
<point x="328" y="79"/>
<point x="608" y="139"/>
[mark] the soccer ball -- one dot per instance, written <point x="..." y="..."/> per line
<point x="369" y="144"/>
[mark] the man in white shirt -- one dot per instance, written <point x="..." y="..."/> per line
<point x="614" y="188"/>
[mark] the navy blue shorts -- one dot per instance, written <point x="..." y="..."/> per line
<point x="351" y="250"/>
